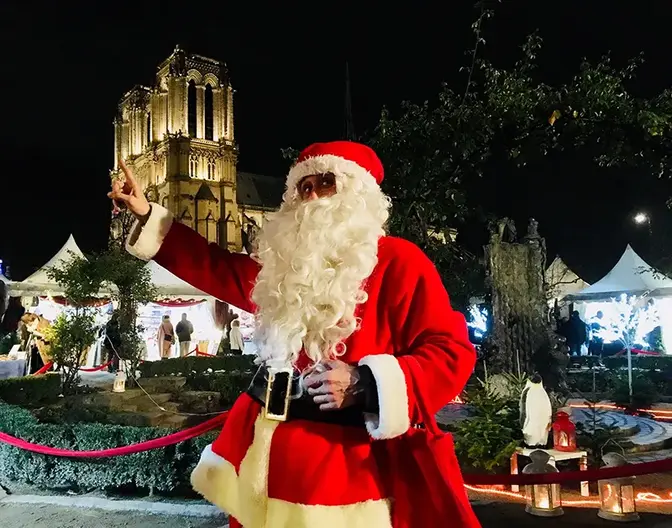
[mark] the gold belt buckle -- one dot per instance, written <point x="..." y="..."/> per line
<point x="278" y="393"/>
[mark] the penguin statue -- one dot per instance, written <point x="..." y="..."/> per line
<point x="535" y="413"/>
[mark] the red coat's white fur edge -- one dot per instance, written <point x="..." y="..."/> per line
<point x="145" y="241"/>
<point x="244" y="495"/>
<point x="393" y="418"/>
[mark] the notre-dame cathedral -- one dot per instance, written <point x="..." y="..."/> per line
<point x="178" y="138"/>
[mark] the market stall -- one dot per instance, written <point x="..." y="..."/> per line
<point x="633" y="295"/>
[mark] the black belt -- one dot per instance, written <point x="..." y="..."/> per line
<point x="303" y="408"/>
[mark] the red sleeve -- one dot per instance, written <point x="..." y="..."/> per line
<point x="433" y="355"/>
<point x="227" y="276"/>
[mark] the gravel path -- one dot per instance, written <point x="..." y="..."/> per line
<point x="48" y="516"/>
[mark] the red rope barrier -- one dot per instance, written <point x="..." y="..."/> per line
<point x="156" y="443"/>
<point x="44" y="369"/>
<point x="96" y="369"/>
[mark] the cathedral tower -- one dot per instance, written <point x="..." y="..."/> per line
<point x="177" y="137"/>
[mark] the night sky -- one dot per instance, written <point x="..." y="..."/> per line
<point x="65" y="66"/>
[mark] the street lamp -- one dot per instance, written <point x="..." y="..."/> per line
<point x="641" y="218"/>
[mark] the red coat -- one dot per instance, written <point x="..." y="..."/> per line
<point x="302" y="474"/>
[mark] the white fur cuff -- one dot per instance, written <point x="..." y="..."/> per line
<point x="145" y="241"/>
<point x="392" y="419"/>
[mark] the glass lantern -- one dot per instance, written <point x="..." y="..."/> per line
<point x="542" y="500"/>
<point x="617" y="496"/>
<point x="119" y="382"/>
<point x="564" y="433"/>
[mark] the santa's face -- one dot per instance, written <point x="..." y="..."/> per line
<point x="315" y="253"/>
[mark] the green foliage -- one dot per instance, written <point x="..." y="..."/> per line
<point x="489" y="437"/>
<point x="30" y="390"/>
<point x="159" y="470"/>
<point x="230" y="385"/>
<point x="132" y="286"/>
<point x="71" y="335"/>
<point x="644" y="391"/>
<point x="79" y="277"/>
<point x="197" y="365"/>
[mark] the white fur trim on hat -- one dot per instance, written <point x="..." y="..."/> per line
<point x="327" y="163"/>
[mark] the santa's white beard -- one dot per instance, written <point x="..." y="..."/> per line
<point x="315" y="257"/>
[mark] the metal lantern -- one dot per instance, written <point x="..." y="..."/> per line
<point x="119" y="382"/>
<point x="542" y="500"/>
<point x="617" y="496"/>
<point x="564" y="433"/>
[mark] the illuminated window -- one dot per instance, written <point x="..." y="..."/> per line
<point x="191" y="108"/>
<point x="209" y="113"/>
<point x="211" y="169"/>
<point x="193" y="167"/>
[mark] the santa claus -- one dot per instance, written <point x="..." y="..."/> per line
<point x="358" y="348"/>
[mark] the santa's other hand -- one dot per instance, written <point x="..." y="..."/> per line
<point x="333" y="389"/>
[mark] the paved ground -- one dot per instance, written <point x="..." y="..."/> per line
<point x="491" y="516"/>
<point x="44" y="516"/>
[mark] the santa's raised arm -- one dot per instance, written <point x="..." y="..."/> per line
<point x="359" y="347"/>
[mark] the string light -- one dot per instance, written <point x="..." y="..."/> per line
<point x="646" y="497"/>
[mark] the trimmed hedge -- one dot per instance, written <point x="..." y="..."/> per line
<point x="197" y="365"/>
<point x="160" y="470"/>
<point x="31" y="389"/>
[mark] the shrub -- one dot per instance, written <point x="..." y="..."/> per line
<point x="160" y="470"/>
<point x="644" y="392"/>
<point x="198" y="365"/>
<point x="230" y="385"/>
<point x="30" y="389"/>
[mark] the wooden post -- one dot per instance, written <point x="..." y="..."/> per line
<point x="583" y="466"/>
<point x="514" y="471"/>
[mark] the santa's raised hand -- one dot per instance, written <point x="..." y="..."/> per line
<point x="129" y="193"/>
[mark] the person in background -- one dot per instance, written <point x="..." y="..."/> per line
<point x="184" y="329"/>
<point x="236" y="343"/>
<point x="576" y="332"/>
<point x="165" y="337"/>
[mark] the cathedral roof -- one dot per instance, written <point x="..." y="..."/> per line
<point x="256" y="190"/>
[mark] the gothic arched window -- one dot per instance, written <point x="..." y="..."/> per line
<point x="211" y="169"/>
<point x="209" y="113"/>
<point x="191" y="108"/>
<point x="193" y="167"/>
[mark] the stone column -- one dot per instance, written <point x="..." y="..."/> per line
<point x="117" y="143"/>
<point x="125" y="140"/>
<point x="218" y="117"/>
<point x="229" y="114"/>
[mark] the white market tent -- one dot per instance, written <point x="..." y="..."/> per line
<point x="39" y="282"/>
<point x="562" y="281"/>
<point x="4" y="279"/>
<point x="170" y="285"/>
<point x="632" y="276"/>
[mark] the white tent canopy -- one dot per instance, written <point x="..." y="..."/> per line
<point x="169" y="285"/>
<point x="631" y="275"/>
<point x="562" y="281"/>
<point x="4" y="279"/>
<point x="39" y="282"/>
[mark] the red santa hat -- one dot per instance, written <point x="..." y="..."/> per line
<point x="340" y="158"/>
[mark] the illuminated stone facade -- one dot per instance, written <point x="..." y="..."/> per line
<point x="178" y="138"/>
